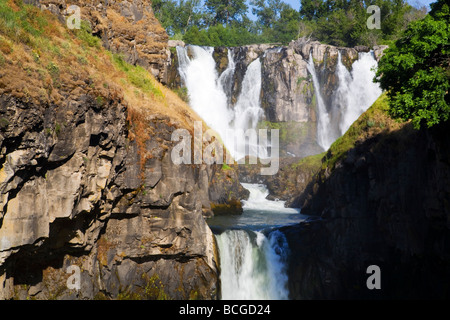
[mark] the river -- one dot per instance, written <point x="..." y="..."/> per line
<point x="253" y="252"/>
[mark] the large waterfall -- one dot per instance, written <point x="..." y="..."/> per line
<point x="324" y="138"/>
<point x="253" y="252"/>
<point x="356" y="92"/>
<point x="209" y="95"/>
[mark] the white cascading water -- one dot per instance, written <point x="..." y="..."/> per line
<point x="206" y="94"/>
<point x="226" y="78"/>
<point x="257" y="200"/>
<point x="356" y="91"/>
<point x="324" y="139"/>
<point x="248" y="111"/>
<point x="254" y="264"/>
<point x="208" y="97"/>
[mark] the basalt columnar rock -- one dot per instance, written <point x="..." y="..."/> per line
<point x="379" y="197"/>
<point x="76" y="194"/>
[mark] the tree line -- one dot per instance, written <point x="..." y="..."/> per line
<point x="241" y="22"/>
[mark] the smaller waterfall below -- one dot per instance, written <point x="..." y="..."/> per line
<point x="253" y="252"/>
<point x="253" y="266"/>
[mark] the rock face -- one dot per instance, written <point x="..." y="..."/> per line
<point x="126" y="27"/>
<point x="384" y="203"/>
<point x="76" y="194"/>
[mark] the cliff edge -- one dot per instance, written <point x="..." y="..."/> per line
<point x="91" y="204"/>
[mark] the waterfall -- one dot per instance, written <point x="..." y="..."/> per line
<point x="206" y="95"/>
<point x="253" y="266"/>
<point x="210" y="96"/>
<point x="226" y="78"/>
<point x="356" y="91"/>
<point x="324" y="138"/>
<point x="254" y="258"/>
<point x="257" y="200"/>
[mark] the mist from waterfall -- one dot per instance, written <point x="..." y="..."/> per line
<point x="210" y="96"/>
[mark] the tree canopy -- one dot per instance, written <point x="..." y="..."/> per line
<point x="415" y="72"/>
<point x="337" y="22"/>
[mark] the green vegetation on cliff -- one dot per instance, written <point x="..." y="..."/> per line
<point x="43" y="53"/>
<point x="298" y="180"/>
<point x="372" y="122"/>
<point x="416" y="71"/>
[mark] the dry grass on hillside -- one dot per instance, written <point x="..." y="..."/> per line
<point x="42" y="61"/>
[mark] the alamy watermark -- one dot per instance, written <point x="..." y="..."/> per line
<point x="74" y="19"/>
<point x="214" y="151"/>
<point x="374" y="280"/>
<point x="74" y="280"/>
<point x="374" y="21"/>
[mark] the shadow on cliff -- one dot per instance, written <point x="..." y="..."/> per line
<point x="51" y="259"/>
<point x="385" y="203"/>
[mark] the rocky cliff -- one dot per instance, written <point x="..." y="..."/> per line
<point x="380" y="197"/>
<point x="125" y="27"/>
<point x="87" y="182"/>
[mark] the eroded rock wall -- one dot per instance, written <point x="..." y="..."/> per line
<point x="75" y="192"/>
<point x="87" y="182"/>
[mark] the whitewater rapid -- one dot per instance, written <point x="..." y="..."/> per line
<point x="253" y="253"/>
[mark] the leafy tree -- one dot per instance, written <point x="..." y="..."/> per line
<point x="337" y="22"/>
<point x="177" y="16"/>
<point x="313" y="9"/>
<point x="416" y="71"/>
<point x="343" y="22"/>
<point x="226" y="11"/>
<point x="267" y="11"/>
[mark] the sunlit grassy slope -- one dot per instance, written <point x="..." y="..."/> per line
<point x="43" y="61"/>
<point x="372" y="122"/>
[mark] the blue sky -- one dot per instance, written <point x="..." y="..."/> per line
<point x="296" y="3"/>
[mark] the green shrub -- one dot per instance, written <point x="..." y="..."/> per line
<point x="137" y="76"/>
<point x="85" y="35"/>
